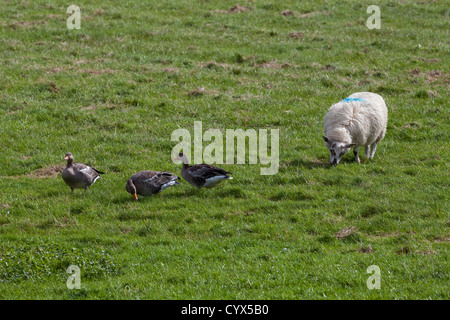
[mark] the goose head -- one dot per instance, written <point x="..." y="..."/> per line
<point x="131" y="189"/>
<point x="182" y="157"/>
<point x="69" y="157"/>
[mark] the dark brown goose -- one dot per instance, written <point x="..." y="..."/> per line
<point x="146" y="183"/>
<point x="202" y="175"/>
<point x="79" y="175"/>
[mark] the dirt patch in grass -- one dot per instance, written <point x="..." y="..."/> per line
<point x="201" y="91"/>
<point x="236" y="9"/>
<point x="171" y="70"/>
<point x="435" y="75"/>
<point x="289" y="13"/>
<point x="346" y="232"/>
<point x="430" y="60"/>
<point x="426" y="252"/>
<point x="404" y="250"/>
<point x="412" y="125"/>
<point x="23" y="24"/>
<point x="367" y="249"/>
<point x="55" y="70"/>
<point x="296" y="35"/>
<point x="110" y="106"/>
<point x="274" y="65"/>
<point x="51" y="171"/>
<point x="214" y="65"/>
<point x="98" y="71"/>
<point x="197" y="92"/>
<point x="431" y="76"/>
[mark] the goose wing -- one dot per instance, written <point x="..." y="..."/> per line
<point x="206" y="171"/>
<point x="90" y="173"/>
<point x="154" y="181"/>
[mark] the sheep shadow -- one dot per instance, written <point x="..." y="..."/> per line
<point x="308" y="164"/>
<point x="321" y="163"/>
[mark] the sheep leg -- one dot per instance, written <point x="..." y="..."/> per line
<point x="367" y="151"/>
<point x="374" y="148"/>
<point x="356" y="153"/>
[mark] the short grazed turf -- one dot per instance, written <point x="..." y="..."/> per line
<point x="113" y="92"/>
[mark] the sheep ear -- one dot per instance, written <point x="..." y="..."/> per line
<point x="350" y="145"/>
<point x="325" y="139"/>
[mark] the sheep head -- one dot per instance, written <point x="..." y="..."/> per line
<point x="337" y="149"/>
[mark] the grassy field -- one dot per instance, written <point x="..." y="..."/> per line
<point x="112" y="93"/>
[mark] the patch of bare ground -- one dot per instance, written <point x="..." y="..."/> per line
<point x="426" y="252"/>
<point x="47" y="172"/>
<point x="98" y="71"/>
<point x="201" y="91"/>
<point x="245" y="97"/>
<point x="367" y="249"/>
<point x="432" y="75"/>
<point x="94" y="106"/>
<point x="171" y="70"/>
<point x="430" y="60"/>
<point x="404" y="250"/>
<point x="435" y="75"/>
<point x="24" y="24"/>
<point x="235" y="9"/>
<point x="55" y="70"/>
<point x="213" y="64"/>
<point x="289" y="13"/>
<point x="56" y="16"/>
<point x="346" y="232"/>
<point x="273" y="65"/>
<point x="442" y="239"/>
<point x="296" y="35"/>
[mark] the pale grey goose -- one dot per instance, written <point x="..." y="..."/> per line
<point x="79" y="175"/>
<point x="202" y="175"/>
<point x="146" y="183"/>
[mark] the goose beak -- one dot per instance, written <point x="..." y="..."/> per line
<point x="66" y="158"/>
<point x="135" y="196"/>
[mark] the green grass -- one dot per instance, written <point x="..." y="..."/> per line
<point x="114" y="91"/>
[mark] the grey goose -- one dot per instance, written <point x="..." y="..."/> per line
<point x="202" y="175"/>
<point x="79" y="175"/>
<point x="146" y="183"/>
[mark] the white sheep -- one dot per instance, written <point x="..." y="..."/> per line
<point x="359" y="120"/>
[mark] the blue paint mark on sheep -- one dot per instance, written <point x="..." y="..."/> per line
<point x="353" y="99"/>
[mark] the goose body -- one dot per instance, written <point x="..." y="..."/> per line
<point x="79" y="175"/>
<point x="147" y="183"/>
<point x="202" y="175"/>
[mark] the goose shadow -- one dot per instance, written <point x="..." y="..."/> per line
<point x="203" y="193"/>
<point x="218" y="192"/>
